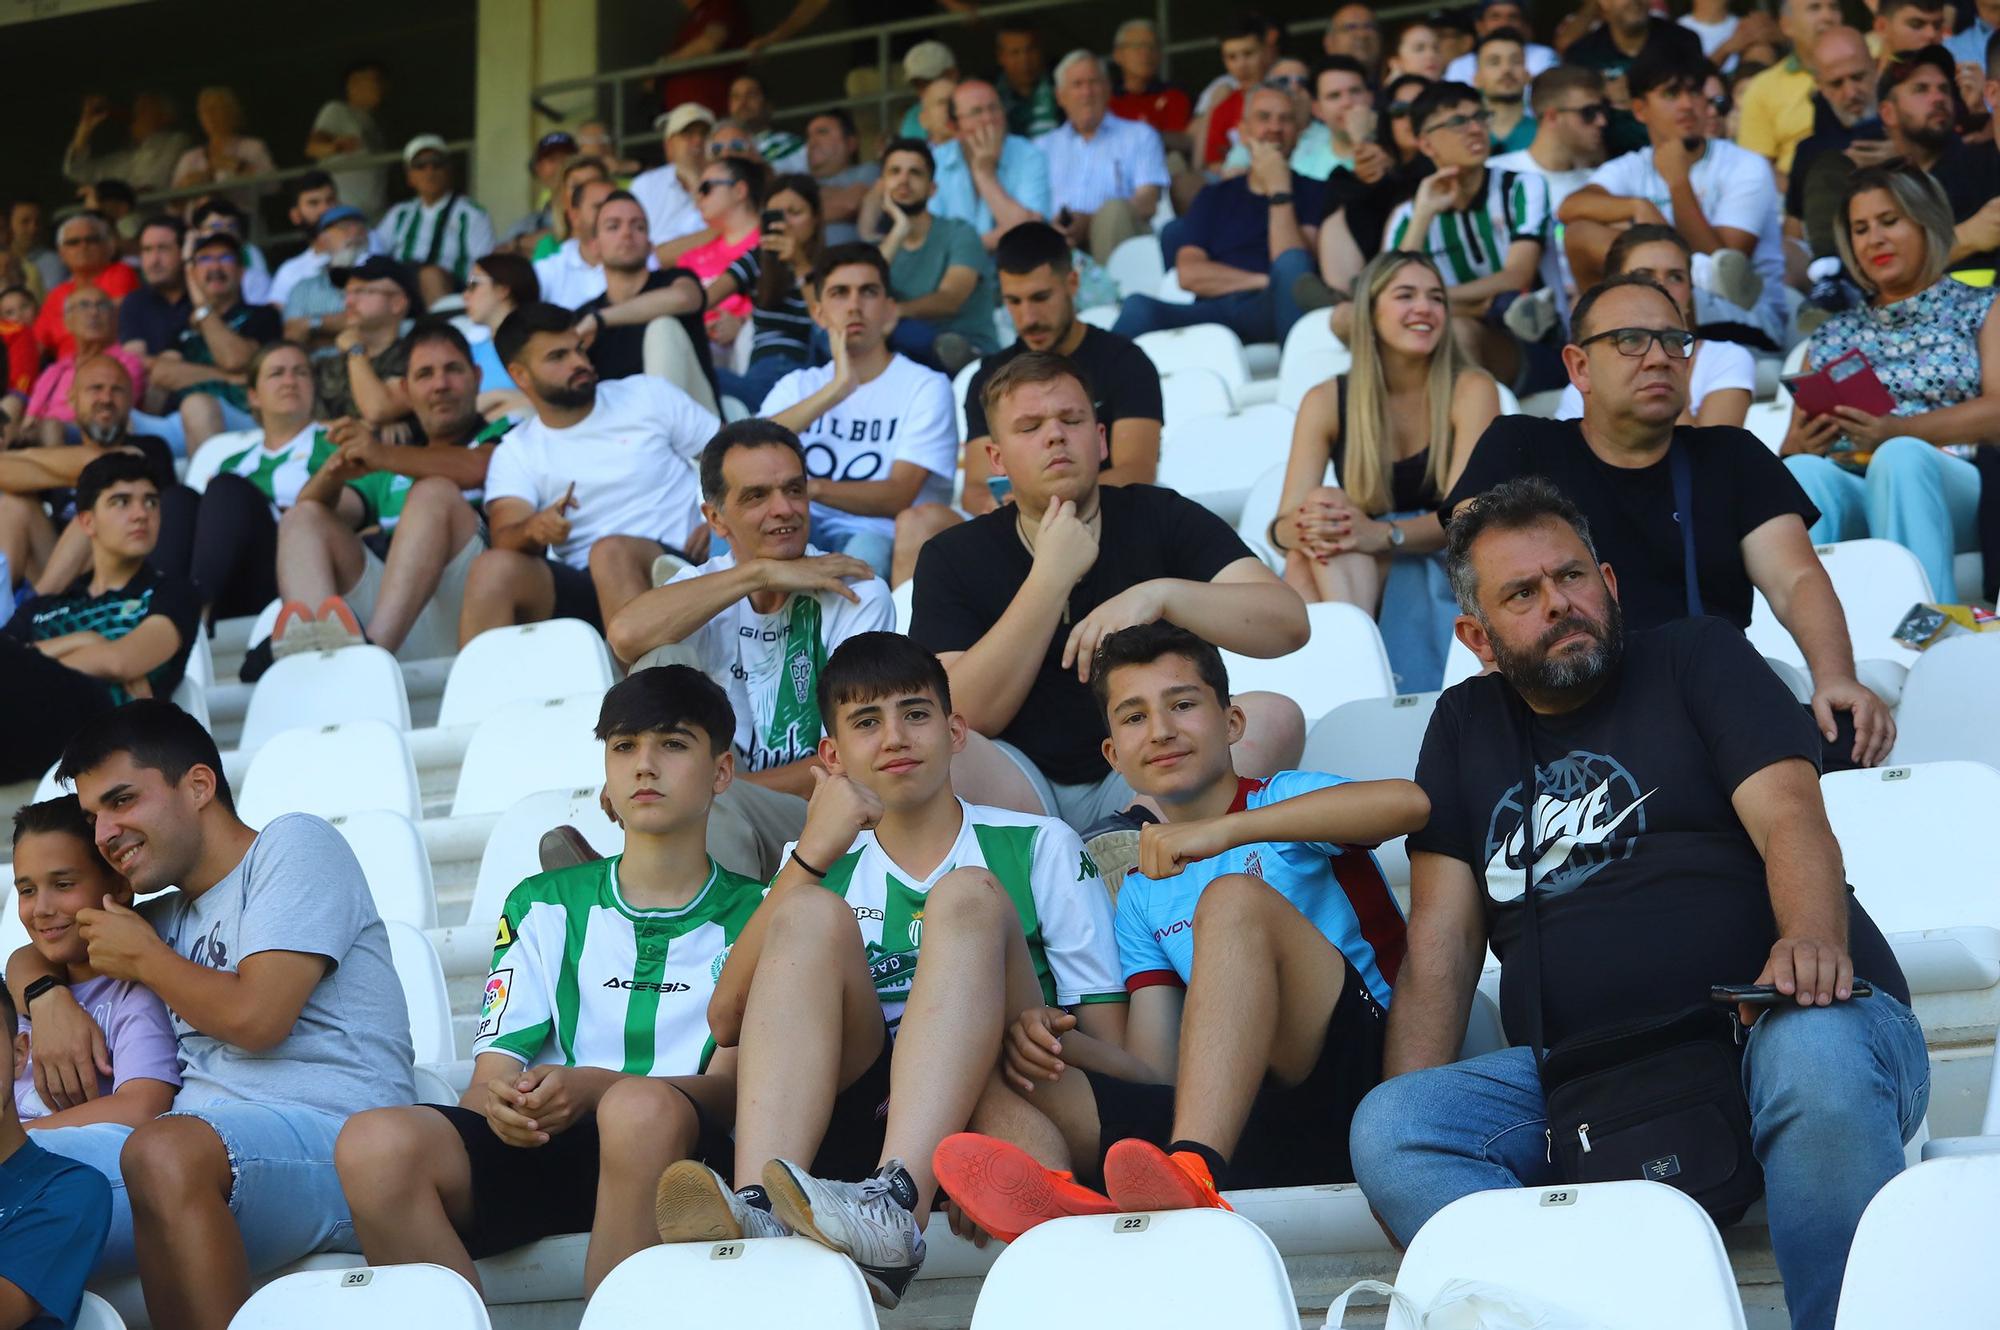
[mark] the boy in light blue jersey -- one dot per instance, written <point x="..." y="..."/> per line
<point x="1258" y="941"/>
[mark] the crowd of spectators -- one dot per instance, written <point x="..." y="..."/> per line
<point x="419" y="427"/>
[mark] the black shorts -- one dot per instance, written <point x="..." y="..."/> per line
<point x="576" y="594"/>
<point x="522" y="1195"/>
<point x="1297" y="1134"/>
<point x="852" y="1147"/>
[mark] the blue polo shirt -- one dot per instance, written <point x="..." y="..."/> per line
<point x="54" y="1214"/>
<point x="1023" y="172"/>
<point x="1232" y="225"/>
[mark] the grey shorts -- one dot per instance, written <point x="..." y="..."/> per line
<point x="1079" y="805"/>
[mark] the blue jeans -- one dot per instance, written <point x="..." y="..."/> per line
<point x="167" y="427"/>
<point x="1834" y="1093"/>
<point x="285" y="1195"/>
<point x="1913" y="493"/>
<point x="836" y="532"/>
<point x="1254" y="316"/>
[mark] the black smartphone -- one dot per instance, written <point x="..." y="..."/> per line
<point x="774" y="220"/>
<point x="1871" y="129"/>
<point x="1767" y="995"/>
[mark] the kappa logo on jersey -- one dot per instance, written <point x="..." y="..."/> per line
<point x="862" y="912"/>
<point x="645" y="985"/>
<point x="499" y="985"/>
<point x="1589" y="813"/>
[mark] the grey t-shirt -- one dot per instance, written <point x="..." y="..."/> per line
<point x="298" y="888"/>
<point x="863" y="173"/>
<point x="915" y="273"/>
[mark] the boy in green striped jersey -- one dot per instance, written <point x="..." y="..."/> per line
<point x="594" y="1068"/>
<point x="857" y="1059"/>
<point x="1484" y="228"/>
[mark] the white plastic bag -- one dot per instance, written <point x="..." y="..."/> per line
<point x="1465" y="1304"/>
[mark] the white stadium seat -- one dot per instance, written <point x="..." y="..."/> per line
<point x="1137" y="265"/>
<point x="1177" y="1270"/>
<point x="1374" y="738"/>
<point x="1770" y="422"/>
<point x="1099" y="316"/>
<point x="326" y="688"/>
<point x="1215" y="460"/>
<point x="765" y="1282"/>
<point x="1510" y="405"/>
<point x="961" y="384"/>
<point x="1260" y="506"/>
<point x="1191" y="392"/>
<point x="1923" y="1254"/>
<point x="512" y="851"/>
<point x="1951" y="704"/>
<point x="51" y="788"/>
<point x="904" y="598"/>
<point x="1207" y="346"/>
<point x="1877" y="582"/>
<point x="1460" y="663"/>
<point x="559" y="658"/>
<point x="384" y="1295"/>
<point x="1574" y="1249"/>
<point x="191" y="698"/>
<point x="97" y="1314"/>
<point x="1344" y="660"/>
<point x="331" y="770"/>
<point x="422" y="976"/>
<point x="1311" y="356"/>
<point x="392" y="855"/>
<point x="1919" y="869"/>
<point x="529" y="746"/>
<point x="1171" y="290"/>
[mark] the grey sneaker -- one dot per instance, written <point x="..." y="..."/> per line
<point x="666" y="566"/>
<point x="1732" y="278"/>
<point x="565" y="847"/>
<point x="1112" y="843"/>
<point x="954" y="351"/>
<point x="694" y="1204"/>
<point x="871" y="1222"/>
<point x="1530" y="317"/>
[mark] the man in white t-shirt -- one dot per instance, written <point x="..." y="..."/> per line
<point x="880" y="431"/>
<point x="1495" y="15"/>
<point x="581" y="499"/>
<point x="667" y="191"/>
<point x="574" y="274"/>
<point x="760" y="620"/>
<point x="1722" y="198"/>
<point x="1570" y="117"/>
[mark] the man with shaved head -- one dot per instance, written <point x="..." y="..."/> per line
<point x="986" y="177"/>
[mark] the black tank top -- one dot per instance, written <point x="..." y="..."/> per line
<point x="1409" y="487"/>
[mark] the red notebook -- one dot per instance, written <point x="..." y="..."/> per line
<point x="1847" y="380"/>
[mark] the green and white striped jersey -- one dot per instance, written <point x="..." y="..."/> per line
<point x="1473" y="244"/>
<point x="282" y="474"/>
<point x="582" y="979"/>
<point x="1053" y="883"/>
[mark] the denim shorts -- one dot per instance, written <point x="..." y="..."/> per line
<point x="283" y="1189"/>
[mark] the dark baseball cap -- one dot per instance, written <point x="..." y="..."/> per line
<point x="1904" y="67"/>
<point x="380" y="268"/>
<point x="559" y="141"/>
<point x="338" y="213"/>
<point x="218" y="240"/>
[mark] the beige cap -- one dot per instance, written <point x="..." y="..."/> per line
<point x="683" y="118"/>
<point x="928" y="60"/>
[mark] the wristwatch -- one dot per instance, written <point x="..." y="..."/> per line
<point x="201" y="313"/>
<point x="1396" y="536"/>
<point x="358" y="349"/>
<point x="1278" y="200"/>
<point x="38" y="987"/>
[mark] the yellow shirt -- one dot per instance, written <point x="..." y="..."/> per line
<point x="1777" y="112"/>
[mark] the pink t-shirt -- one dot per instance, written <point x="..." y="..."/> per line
<point x="712" y="260"/>
<point x="137" y="1030"/>
<point x="50" y="398"/>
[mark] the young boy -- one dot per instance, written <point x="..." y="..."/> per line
<point x="593" y="1067"/>
<point x="58" y="872"/>
<point x="856" y="1057"/>
<point x="1258" y="940"/>
<point x="53" y="1216"/>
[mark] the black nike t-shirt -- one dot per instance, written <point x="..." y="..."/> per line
<point x="1123" y="383"/>
<point x="1650" y="890"/>
<point x="1738" y="485"/>
<point x="967" y="576"/>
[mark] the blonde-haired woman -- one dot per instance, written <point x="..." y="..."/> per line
<point x="1397" y="430"/>
<point x="227" y="152"/>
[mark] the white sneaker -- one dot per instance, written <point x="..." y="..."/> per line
<point x="694" y="1204"/>
<point x="1530" y="317"/>
<point x="1732" y="278"/>
<point x="871" y="1222"/>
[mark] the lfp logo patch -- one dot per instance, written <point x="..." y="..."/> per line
<point x="494" y="1005"/>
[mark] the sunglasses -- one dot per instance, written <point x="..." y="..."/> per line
<point x="1591" y="114"/>
<point x="723" y="147"/>
<point x="1479" y="118"/>
<point x="707" y="185"/>
<point x="1635" y="342"/>
<point x="1721" y="104"/>
<point x="1285" y="81"/>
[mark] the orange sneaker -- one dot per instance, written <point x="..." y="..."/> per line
<point x="1004" y="1190"/>
<point x="1141" y="1176"/>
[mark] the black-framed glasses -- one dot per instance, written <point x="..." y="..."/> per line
<point x="1481" y="118"/>
<point x="1635" y="342"/>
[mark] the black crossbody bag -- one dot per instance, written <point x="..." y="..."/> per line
<point x="1658" y="1098"/>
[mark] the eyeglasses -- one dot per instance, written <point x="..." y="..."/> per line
<point x="1635" y="342"/>
<point x="1590" y="113"/>
<point x="724" y="147"/>
<point x="1282" y="81"/>
<point x="1479" y="118"/>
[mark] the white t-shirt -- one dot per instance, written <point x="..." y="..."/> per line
<point x="1555" y="260"/>
<point x="1540" y="59"/>
<point x="770" y="664"/>
<point x="904" y="414"/>
<point x="1712" y="34"/>
<point x="1735" y="188"/>
<point x="670" y="212"/>
<point x="1717" y="366"/>
<point x="631" y="459"/>
<point x="566" y="279"/>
